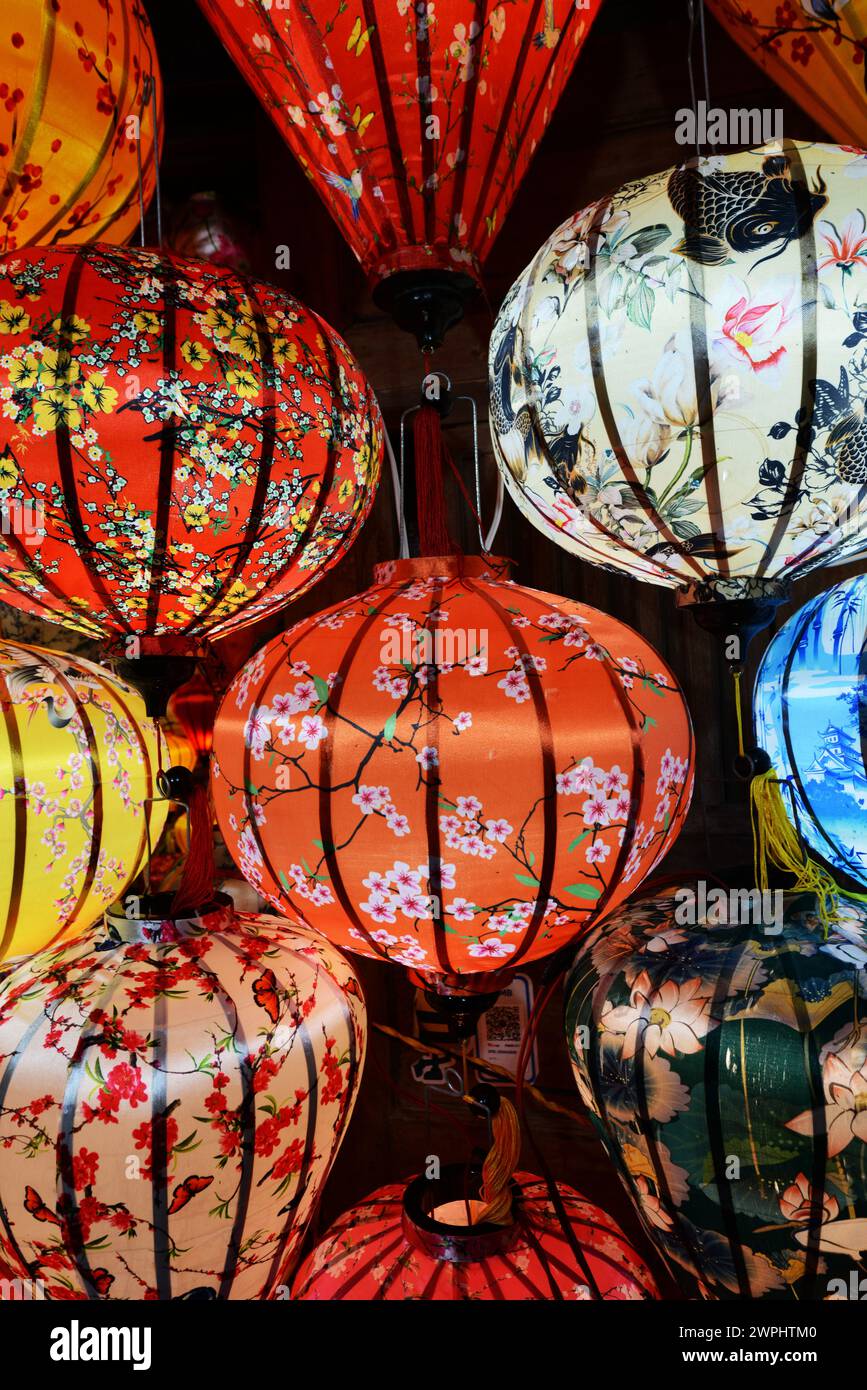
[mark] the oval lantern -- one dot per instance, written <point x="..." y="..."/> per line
<point x="183" y="449"/>
<point x="724" y="1068"/>
<point x="813" y="50"/>
<point x="78" y="756"/>
<point x="451" y="771"/>
<point x="415" y="127"/>
<point x="675" y="377"/>
<point x="193" y="707"/>
<point x="811" y="719"/>
<point x="81" y="86"/>
<point x="414" y="1243"/>
<point x="215" y="1060"/>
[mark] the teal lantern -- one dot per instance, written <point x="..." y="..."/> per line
<point x="810" y="710"/>
<point x="724" y="1063"/>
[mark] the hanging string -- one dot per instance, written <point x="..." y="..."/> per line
<point x="739" y="714"/>
<point x="403" y="540"/>
<point x="777" y="842"/>
<point x="500" y="1164"/>
<point x="692" y="98"/>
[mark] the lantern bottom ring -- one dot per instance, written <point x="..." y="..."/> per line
<point x="457" y="1189"/>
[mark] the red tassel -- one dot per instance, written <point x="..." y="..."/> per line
<point x="430" y="461"/>
<point x="196" y="887"/>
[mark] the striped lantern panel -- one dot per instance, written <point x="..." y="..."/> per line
<point x="677" y="378"/>
<point x="76" y="120"/>
<point x="397" y="1246"/>
<point x="810" y="712"/>
<point x="78" y="756"/>
<point x="813" y="50"/>
<point x="182" y="449"/>
<point x="451" y="771"/>
<point x="414" y="122"/>
<point x="172" y="1095"/>
<point x="725" y="1069"/>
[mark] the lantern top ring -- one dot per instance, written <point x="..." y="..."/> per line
<point x="456" y="1191"/>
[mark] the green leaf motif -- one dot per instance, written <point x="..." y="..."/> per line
<point x="584" y="890"/>
<point x="389" y="727"/>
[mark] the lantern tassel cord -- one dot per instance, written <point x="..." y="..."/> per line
<point x="739" y="712"/>
<point x="500" y="1164"/>
<point x="776" y="841"/>
<point x="197" y="881"/>
<point x="437" y="1050"/>
<point x="430" y="455"/>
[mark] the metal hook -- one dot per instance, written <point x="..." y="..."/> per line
<point x="484" y="541"/>
<point x="165" y="787"/>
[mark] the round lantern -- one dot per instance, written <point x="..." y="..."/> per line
<point x="450" y="771"/>
<point x="203" y="229"/>
<point x="173" y="1095"/>
<point x="811" y="719"/>
<point x="814" y="50"/>
<point x="78" y="756"/>
<point x="80" y="90"/>
<point x="418" y="174"/>
<point x="184" y="450"/>
<point x="676" y="377"/>
<point x="724" y="1067"/>
<point x="415" y="1242"/>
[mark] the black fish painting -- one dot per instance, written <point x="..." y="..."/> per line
<point x="748" y="210"/>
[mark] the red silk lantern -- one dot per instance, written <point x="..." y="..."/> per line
<point x="451" y="771"/>
<point x="415" y="124"/>
<point x="415" y="1243"/>
<point x="81" y="85"/>
<point x="173" y="1095"/>
<point x="194" y="448"/>
<point x="193" y="707"/>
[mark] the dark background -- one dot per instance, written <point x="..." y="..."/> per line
<point x="615" y="121"/>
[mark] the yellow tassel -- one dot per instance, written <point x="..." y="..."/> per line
<point x="775" y="841"/>
<point x="500" y="1164"/>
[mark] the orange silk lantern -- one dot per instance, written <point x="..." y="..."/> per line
<point x="414" y="123"/>
<point x="813" y="49"/>
<point x="451" y="771"/>
<point x="80" y="85"/>
<point x="415" y="1243"/>
<point x="183" y="449"/>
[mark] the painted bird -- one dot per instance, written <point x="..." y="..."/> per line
<point x="352" y="187"/>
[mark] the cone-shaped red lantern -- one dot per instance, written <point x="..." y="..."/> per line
<point x="173" y="1092"/>
<point x="814" y="50"/>
<point x="415" y="122"/>
<point x="182" y="449"/>
<point x="416" y="1243"/>
<point x="451" y="771"/>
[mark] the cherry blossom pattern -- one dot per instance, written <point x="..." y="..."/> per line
<point x="172" y="1096"/>
<point x="450" y="771"/>
<point x="377" y="1251"/>
<point x="78" y="756"/>
<point x="726" y="1077"/>
<point x="195" y="448"/>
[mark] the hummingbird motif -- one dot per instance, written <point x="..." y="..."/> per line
<point x="351" y="187"/>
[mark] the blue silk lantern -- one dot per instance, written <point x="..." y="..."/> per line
<point x="810" y="710"/>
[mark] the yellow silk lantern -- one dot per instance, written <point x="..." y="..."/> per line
<point x="77" y="758"/>
<point x="76" y="120"/>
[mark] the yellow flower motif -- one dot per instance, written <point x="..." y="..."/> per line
<point x="284" y="352"/>
<point x="8" y="473"/>
<point x="238" y="594"/>
<point x="195" y="354"/>
<point x="55" y="409"/>
<point x="13" y="318"/>
<point x="344" y="492"/>
<point x="245" y="341"/>
<point x="58" y="370"/>
<point x="97" y="395"/>
<point x="23" y="371"/>
<point x="72" y="329"/>
<point x="301" y="518"/>
<point x="196" y="516"/>
<point x="244" y="383"/>
<point x="147" y="322"/>
<point x="218" y="322"/>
